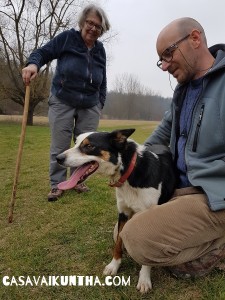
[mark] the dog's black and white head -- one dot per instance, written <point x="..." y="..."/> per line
<point x="94" y="151"/>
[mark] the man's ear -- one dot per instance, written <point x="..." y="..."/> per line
<point x="195" y="38"/>
<point x="119" y="137"/>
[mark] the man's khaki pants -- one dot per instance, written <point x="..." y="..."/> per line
<point x="178" y="231"/>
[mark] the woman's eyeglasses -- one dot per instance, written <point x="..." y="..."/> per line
<point x="91" y="24"/>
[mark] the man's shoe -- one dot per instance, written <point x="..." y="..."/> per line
<point x="199" y="267"/>
<point x="81" y="188"/>
<point x="54" y="194"/>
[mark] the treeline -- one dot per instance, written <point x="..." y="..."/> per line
<point x="135" y="106"/>
<point x="118" y="106"/>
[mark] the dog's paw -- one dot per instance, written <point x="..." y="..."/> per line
<point x="112" y="268"/>
<point x="144" y="285"/>
<point x="144" y="281"/>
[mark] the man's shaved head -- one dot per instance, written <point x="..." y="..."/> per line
<point x="179" y="28"/>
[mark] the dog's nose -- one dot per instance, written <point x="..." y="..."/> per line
<point x="60" y="158"/>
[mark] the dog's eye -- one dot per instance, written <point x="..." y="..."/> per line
<point x="89" y="147"/>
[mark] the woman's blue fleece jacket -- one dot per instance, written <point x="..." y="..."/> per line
<point x="80" y="75"/>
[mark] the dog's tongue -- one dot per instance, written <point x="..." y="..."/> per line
<point x="75" y="177"/>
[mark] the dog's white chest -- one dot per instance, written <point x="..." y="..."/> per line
<point x="133" y="200"/>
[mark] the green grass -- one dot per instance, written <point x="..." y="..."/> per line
<point x="72" y="236"/>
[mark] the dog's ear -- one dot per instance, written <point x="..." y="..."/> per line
<point x="119" y="137"/>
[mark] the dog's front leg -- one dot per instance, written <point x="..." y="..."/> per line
<point x="112" y="268"/>
<point x="144" y="281"/>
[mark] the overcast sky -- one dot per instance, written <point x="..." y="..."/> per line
<point x="138" y="23"/>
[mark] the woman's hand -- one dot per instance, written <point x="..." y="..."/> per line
<point x="29" y="73"/>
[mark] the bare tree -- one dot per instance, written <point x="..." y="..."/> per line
<point x="132" y="98"/>
<point x="128" y="84"/>
<point x="24" y="26"/>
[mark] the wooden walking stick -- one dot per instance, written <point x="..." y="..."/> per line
<point x="19" y="155"/>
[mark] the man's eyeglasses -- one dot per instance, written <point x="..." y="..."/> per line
<point x="167" y="54"/>
<point x="91" y="24"/>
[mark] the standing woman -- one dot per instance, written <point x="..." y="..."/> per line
<point x="78" y="89"/>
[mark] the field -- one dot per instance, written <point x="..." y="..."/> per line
<point x="72" y="236"/>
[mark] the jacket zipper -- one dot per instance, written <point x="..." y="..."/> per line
<point x="198" y="128"/>
<point x="90" y="65"/>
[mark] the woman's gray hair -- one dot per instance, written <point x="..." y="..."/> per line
<point x="99" y="12"/>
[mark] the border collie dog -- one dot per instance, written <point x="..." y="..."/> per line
<point x="142" y="175"/>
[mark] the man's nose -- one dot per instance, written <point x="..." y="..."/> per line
<point x="165" y="65"/>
